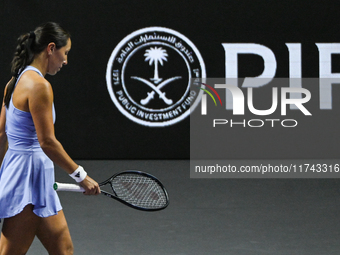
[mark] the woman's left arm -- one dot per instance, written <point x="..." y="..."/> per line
<point x="3" y="136"/>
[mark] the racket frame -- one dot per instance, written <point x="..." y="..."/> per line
<point x="78" y="188"/>
<point x="114" y="196"/>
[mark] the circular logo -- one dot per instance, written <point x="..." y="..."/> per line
<point x="150" y="75"/>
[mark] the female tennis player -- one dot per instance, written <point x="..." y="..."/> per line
<point x="28" y="204"/>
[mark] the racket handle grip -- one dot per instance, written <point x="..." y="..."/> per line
<point x="67" y="187"/>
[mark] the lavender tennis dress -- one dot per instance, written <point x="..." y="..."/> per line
<point x="26" y="174"/>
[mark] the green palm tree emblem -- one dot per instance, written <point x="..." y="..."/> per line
<point x="155" y="56"/>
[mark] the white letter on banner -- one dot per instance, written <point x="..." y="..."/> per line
<point x="231" y="66"/>
<point x="327" y="78"/>
<point x="295" y="72"/>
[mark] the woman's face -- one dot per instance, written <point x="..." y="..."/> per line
<point x="58" y="58"/>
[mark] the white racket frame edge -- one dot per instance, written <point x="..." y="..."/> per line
<point x="68" y="187"/>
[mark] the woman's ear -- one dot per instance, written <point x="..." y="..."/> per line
<point x="50" y="48"/>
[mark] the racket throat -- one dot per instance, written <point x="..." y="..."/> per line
<point x="113" y="191"/>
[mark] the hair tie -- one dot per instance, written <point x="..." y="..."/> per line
<point x="32" y="35"/>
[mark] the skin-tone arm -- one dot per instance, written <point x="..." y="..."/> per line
<point x="3" y="136"/>
<point x="40" y="100"/>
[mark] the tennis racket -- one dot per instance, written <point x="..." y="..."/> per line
<point x="136" y="189"/>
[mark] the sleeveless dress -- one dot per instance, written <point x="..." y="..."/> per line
<point x="26" y="174"/>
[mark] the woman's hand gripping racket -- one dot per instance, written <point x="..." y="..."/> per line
<point x="136" y="189"/>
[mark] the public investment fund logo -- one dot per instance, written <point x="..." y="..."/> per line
<point x="149" y="75"/>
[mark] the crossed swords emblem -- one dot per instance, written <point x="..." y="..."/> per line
<point x="156" y="89"/>
<point x="154" y="56"/>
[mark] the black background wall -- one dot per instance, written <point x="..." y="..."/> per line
<point x="90" y="126"/>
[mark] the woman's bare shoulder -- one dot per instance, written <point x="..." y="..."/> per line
<point x="35" y="84"/>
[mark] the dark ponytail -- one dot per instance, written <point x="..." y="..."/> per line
<point x="29" y="45"/>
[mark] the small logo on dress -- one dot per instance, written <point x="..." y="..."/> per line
<point x="149" y="75"/>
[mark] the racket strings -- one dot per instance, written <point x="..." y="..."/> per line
<point x="138" y="190"/>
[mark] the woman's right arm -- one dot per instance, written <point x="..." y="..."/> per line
<point x="40" y="101"/>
